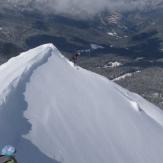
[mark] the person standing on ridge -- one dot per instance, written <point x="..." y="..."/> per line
<point x="75" y="57"/>
<point x="8" y="154"/>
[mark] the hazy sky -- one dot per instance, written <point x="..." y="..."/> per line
<point x="85" y="7"/>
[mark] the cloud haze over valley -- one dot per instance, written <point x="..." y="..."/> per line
<point x="85" y="7"/>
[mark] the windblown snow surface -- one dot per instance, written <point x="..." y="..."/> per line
<point x="54" y="112"/>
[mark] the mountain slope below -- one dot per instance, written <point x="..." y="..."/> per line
<point x="53" y="111"/>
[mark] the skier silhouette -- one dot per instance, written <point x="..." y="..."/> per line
<point x="75" y="57"/>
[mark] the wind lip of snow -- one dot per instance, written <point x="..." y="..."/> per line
<point x="14" y="70"/>
<point x="17" y="67"/>
<point x="140" y="104"/>
<point x="135" y="105"/>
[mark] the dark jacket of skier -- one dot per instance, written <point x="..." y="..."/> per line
<point x="75" y="57"/>
<point x="6" y="159"/>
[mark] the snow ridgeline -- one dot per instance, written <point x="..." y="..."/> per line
<point x="72" y="115"/>
<point x="17" y="67"/>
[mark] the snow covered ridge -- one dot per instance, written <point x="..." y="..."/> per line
<point x="13" y="71"/>
<point x="67" y="114"/>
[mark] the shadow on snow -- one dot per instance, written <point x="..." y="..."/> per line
<point x="14" y="125"/>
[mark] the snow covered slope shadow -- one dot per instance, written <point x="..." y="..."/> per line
<point x="71" y="115"/>
<point x="13" y="78"/>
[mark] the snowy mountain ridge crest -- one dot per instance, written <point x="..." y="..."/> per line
<point x="24" y="64"/>
<point x="21" y="65"/>
<point x="62" y="113"/>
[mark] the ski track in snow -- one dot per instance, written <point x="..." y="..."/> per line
<point x="58" y="111"/>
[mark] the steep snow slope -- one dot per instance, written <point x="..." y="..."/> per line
<point x="54" y="112"/>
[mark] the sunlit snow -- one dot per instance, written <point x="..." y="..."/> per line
<point x="52" y="111"/>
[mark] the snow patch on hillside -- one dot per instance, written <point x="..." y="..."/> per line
<point x="95" y="46"/>
<point x="112" y="64"/>
<point x="125" y="76"/>
<point x="112" y="33"/>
